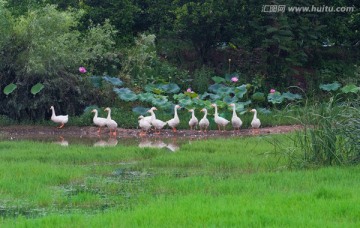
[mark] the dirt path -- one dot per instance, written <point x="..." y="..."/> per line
<point x="42" y="131"/>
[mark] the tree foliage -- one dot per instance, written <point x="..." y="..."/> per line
<point x="178" y="41"/>
<point x="47" y="48"/>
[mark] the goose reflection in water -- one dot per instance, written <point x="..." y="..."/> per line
<point x="102" y="143"/>
<point x="62" y="141"/>
<point x="145" y="142"/>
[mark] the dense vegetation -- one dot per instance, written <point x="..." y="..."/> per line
<point x="130" y="44"/>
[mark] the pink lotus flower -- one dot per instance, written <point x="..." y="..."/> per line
<point x="234" y="79"/>
<point x="82" y="70"/>
<point x="189" y="90"/>
<point x="272" y="91"/>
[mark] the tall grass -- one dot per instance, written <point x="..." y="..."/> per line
<point x="330" y="133"/>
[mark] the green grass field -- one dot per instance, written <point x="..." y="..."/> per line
<point x="243" y="182"/>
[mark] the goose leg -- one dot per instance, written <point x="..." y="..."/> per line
<point x="61" y="126"/>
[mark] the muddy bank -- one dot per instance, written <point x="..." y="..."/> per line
<point x="89" y="131"/>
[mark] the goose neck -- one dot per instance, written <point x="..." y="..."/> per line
<point x="52" y="111"/>
<point x="234" y="111"/>
<point x="175" y="113"/>
<point x="216" y="111"/>
<point x="109" y="114"/>
<point x="255" y="115"/>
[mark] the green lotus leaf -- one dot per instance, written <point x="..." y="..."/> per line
<point x="214" y="97"/>
<point x="145" y="97"/>
<point x="37" y="88"/>
<point x="150" y="87"/>
<point x="9" y="88"/>
<point x="275" y="98"/>
<point x="218" y="79"/>
<point x="240" y="91"/>
<point x="198" y="102"/>
<point x="291" y="96"/>
<point x="220" y="104"/>
<point x="179" y="96"/>
<point x="157" y="91"/>
<point x="264" y="111"/>
<point x="225" y="90"/>
<point x="330" y="87"/>
<point x="185" y="102"/>
<point x="244" y="103"/>
<point x="140" y="110"/>
<point x="205" y="95"/>
<point x="351" y="88"/>
<point x="215" y="87"/>
<point x="191" y="94"/>
<point x="239" y="107"/>
<point x="125" y="94"/>
<point x="170" y="88"/>
<point x="229" y="99"/>
<point x="114" y="81"/>
<point x="258" y="96"/>
<point x="159" y="101"/>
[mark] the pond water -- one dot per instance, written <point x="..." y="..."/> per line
<point x="171" y="144"/>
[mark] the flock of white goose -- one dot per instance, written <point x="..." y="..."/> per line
<point x="148" y="122"/>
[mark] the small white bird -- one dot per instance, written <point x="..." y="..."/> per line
<point x="255" y="123"/>
<point x="59" y="119"/>
<point x="174" y="121"/>
<point x="220" y="121"/>
<point x="144" y="125"/>
<point x="98" y="121"/>
<point x="193" y="122"/>
<point x="110" y="123"/>
<point x="158" y="124"/>
<point x="235" y="120"/>
<point x="204" y="122"/>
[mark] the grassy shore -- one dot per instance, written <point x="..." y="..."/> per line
<point x="225" y="182"/>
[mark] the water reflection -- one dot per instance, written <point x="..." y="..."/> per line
<point x="172" y="144"/>
<point x="62" y="142"/>
<point x="110" y="142"/>
<point x="157" y="143"/>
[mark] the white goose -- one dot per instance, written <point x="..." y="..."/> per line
<point x="220" y="121"/>
<point x="151" y="117"/>
<point x="204" y="122"/>
<point x="158" y="124"/>
<point x="98" y="121"/>
<point x="144" y="125"/>
<point x="255" y="123"/>
<point x="59" y="119"/>
<point x="110" y="123"/>
<point x="174" y="121"/>
<point x="235" y="120"/>
<point x="193" y="122"/>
